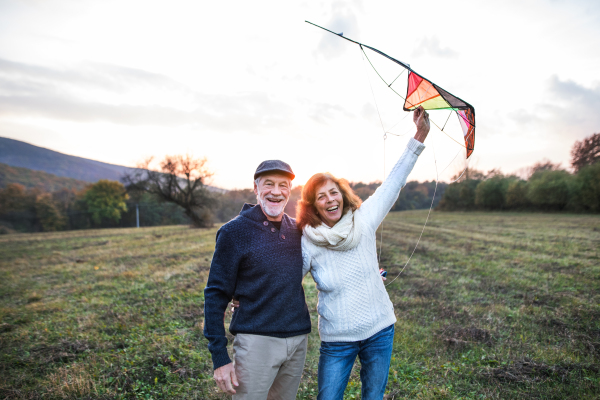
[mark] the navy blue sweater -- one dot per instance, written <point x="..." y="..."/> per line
<point x="260" y="266"/>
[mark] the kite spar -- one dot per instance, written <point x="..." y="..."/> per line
<point x="422" y="92"/>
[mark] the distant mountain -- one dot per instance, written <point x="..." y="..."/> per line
<point x="25" y="155"/>
<point x="30" y="179"/>
<point x="20" y="154"/>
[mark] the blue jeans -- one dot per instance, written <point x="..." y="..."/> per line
<point x="337" y="358"/>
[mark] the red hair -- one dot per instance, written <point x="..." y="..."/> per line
<point x="306" y="212"/>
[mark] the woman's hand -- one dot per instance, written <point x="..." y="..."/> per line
<point x="421" y="120"/>
<point x="234" y="304"/>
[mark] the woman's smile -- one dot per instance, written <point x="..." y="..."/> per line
<point x="329" y="203"/>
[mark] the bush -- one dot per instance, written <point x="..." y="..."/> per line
<point x="152" y="211"/>
<point x="491" y="193"/>
<point x="417" y="195"/>
<point x="550" y="190"/>
<point x="17" y="207"/>
<point x="105" y="201"/>
<point x="231" y="203"/>
<point x="49" y="216"/>
<point x="459" y="196"/>
<point x="588" y="187"/>
<point x="5" y="230"/>
<point x="516" y="195"/>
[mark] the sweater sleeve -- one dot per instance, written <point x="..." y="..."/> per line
<point x="376" y="207"/>
<point x="217" y="294"/>
<point x="306" y="259"/>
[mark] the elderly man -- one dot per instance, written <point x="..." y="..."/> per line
<point x="258" y="261"/>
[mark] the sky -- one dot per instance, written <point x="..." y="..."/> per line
<point x="240" y="82"/>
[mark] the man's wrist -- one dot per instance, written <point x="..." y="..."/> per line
<point x="220" y="359"/>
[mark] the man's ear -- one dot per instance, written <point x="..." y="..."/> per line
<point x="255" y="188"/>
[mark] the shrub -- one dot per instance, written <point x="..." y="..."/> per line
<point x="459" y="196"/>
<point x="549" y="190"/>
<point x="106" y="200"/>
<point x="17" y="207"/>
<point x="516" y="195"/>
<point x="48" y="215"/>
<point x="491" y="193"/>
<point x="588" y="187"/>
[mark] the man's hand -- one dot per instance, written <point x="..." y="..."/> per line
<point x="225" y="377"/>
<point x="421" y="120"/>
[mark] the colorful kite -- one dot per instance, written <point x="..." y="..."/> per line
<point x="422" y="92"/>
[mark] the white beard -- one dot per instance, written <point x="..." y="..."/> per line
<point x="271" y="210"/>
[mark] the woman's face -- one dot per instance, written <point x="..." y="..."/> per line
<point x="329" y="203"/>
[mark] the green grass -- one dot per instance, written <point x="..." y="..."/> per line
<point x="492" y="305"/>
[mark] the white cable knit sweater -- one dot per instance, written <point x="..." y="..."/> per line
<point x="353" y="303"/>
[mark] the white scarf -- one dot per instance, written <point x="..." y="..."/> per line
<point x="344" y="235"/>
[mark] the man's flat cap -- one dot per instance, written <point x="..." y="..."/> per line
<point x="274" y="166"/>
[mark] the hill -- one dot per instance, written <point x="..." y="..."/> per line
<point x="20" y="154"/>
<point x="30" y="179"/>
<point x="15" y="153"/>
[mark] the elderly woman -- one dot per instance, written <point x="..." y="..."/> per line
<point x="356" y="316"/>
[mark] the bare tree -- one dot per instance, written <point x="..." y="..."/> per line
<point x="180" y="180"/>
<point x="468" y="173"/>
<point x="544" y="165"/>
<point x="586" y="152"/>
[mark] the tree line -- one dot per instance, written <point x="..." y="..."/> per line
<point x="176" y="193"/>
<point x="545" y="187"/>
<point x="104" y="204"/>
<point x="173" y="193"/>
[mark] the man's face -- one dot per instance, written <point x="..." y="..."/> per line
<point x="273" y="193"/>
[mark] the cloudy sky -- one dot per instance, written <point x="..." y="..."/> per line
<point x="244" y="81"/>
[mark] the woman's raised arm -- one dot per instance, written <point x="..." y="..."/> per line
<point x="376" y="207"/>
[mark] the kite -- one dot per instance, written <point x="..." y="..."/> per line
<point x="422" y="92"/>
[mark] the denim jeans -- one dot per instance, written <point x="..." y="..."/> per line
<point x="337" y="358"/>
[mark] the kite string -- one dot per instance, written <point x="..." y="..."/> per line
<point x="402" y="97"/>
<point x="384" y="141"/>
<point x="403" y="71"/>
<point x="431" y="206"/>
<point x="384" y="161"/>
<point x="424" y="225"/>
<point x="447" y="119"/>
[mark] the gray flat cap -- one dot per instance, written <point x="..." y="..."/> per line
<point x="274" y="166"/>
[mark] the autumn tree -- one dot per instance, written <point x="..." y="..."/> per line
<point x="17" y="207"/>
<point x="105" y="201"/>
<point x="586" y="152"/>
<point x="180" y="180"/>
<point x="48" y="214"/>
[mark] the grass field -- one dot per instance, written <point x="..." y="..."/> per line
<point x="495" y="306"/>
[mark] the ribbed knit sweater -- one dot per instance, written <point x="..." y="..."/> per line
<point x="353" y="303"/>
<point x="261" y="266"/>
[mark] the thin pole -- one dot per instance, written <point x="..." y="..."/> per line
<point x="137" y="216"/>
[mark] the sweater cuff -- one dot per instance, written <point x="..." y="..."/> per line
<point x="220" y="358"/>
<point x="415" y="146"/>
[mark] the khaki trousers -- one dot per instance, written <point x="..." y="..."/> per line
<point x="268" y="367"/>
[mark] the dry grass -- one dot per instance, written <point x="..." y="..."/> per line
<point x="70" y="381"/>
<point x="497" y="306"/>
